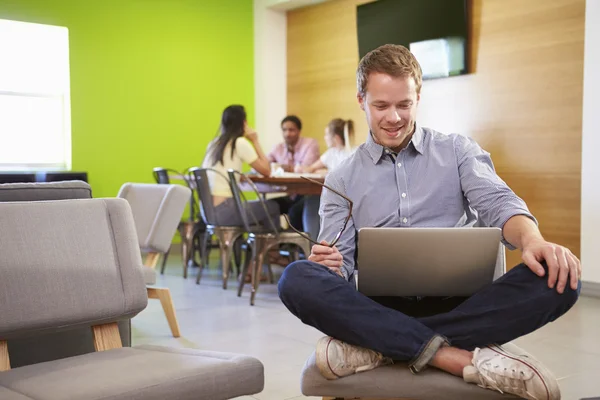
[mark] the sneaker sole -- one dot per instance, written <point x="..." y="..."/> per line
<point x="541" y="371"/>
<point x="322" y="360"/>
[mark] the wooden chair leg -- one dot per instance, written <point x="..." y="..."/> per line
<point x="164" y="295"/>
<point x="151" y="260"/>
<point x="4" y="360"/>
<point x="107" y="337"/>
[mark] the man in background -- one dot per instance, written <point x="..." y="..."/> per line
<point x="295" y="150"/>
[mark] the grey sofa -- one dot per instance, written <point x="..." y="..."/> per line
<point x="87" y="271"/>
<point x="52" y="346"/>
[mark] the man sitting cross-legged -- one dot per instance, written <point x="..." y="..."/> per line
<point x="408" y="176"/>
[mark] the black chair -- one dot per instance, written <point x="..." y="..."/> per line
<point x="227" y="235"/>
<point x="191" y="231"/>
<point x="17" y="177"/>
<point x="261" y="239"/>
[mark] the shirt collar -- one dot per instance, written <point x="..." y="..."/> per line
<point x="417" y="139"/>
<point x="377" y="151"/>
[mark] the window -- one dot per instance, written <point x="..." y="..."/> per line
<point x="35" y="106"/>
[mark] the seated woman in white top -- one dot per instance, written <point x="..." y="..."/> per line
<point x="236" y="144"/>
<point x="338" y="137"/>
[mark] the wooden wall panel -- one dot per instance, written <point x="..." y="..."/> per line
<point x="522" y="102"/>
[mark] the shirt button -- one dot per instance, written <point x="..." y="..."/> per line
<point x="405" y="220"/>
<point x="399" y="164"/>
<point x="403" y="195"/>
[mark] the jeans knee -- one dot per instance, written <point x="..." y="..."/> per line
<point x="563" y="302"/>
<point x="293" y="279"/>
<point x="571" y="296"/>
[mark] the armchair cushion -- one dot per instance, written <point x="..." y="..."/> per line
<point x="144" y="372"/>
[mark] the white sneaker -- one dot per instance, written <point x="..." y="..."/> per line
<point x="495" y="368"/>
<point x="336" y="359"/>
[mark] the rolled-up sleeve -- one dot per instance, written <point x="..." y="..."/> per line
<point x="333" y="211"/>
<point x="486" y="192"/>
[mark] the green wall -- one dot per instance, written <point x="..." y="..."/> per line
<point x="149" y="79"/>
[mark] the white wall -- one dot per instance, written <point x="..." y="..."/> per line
<point x="590" y="169"/>
<point x="270" y="66"/>
<point x="270" y="71"/>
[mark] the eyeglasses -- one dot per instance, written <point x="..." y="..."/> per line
<point x="339" y="235"/>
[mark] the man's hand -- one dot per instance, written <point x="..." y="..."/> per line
<point x="563" y="266"/>
<point x="327" y="256"/>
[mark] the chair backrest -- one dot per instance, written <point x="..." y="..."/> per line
<point x="241" y="201"/>
<point x="45" y="191"/>
<point x="164" y="175"/>
<point x="86" y="267"/>
<point x="200" y="177"/>
<point x="157" y="210"/>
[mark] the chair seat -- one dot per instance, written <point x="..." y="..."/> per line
<point x="143" y="372"/>
<point x="7" y="394"/>
<point x="395" y="381"/>
<point x="212" y="228"/>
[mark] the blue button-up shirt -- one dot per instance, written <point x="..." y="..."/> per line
<point x="437" y="180"/>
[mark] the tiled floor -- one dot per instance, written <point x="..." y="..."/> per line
<point x="215" y="319"/>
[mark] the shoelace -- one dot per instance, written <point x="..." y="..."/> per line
<point x="493" y="376"/>
<point x="368" y="358"/>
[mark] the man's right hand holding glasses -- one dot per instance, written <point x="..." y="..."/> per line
<point x="327" y="256"/>
<point x="324" y="253"/>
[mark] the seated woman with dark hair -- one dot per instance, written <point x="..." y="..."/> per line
<point x="235" y="145"/>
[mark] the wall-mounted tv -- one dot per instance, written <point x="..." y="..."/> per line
<point x="435" y="31"/>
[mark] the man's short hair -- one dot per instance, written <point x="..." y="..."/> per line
<point x="390" y="59"/>
<point x="294" y="119"/>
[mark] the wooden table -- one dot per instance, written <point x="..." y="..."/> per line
<point x="286" y="184"/>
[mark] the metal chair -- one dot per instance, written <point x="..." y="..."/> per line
<point x="191" y="231"/>
<point x="227" y="235"/>
<point x="261" y="239"/>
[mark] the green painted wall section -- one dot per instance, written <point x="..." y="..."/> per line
<point x="149" y="79"/>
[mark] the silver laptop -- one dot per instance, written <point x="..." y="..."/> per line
<point x="426" y="261"/>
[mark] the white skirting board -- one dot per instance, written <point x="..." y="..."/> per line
<point x="590" y="289"/>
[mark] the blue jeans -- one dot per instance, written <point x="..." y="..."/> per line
<point x="413" y="330"/>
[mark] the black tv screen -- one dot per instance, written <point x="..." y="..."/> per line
<point x="435" y="31"/>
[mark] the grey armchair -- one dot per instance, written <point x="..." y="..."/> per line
<point x="88" y="272"/>
<point x="157" y="210"/>
<point x="53" y="345"/>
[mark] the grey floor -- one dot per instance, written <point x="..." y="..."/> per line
<point x="215" y="319"/>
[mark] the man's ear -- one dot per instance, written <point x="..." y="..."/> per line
<point x="361" y="100"/>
